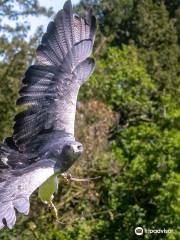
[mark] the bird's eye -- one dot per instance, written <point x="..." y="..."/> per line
<point x="80" y="147"/>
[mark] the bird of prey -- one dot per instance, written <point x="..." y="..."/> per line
<point x="43" y="144"/>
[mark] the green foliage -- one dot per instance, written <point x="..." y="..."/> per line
<point x="136" y="150"/>
<point x="149" y="180"/>
<point x="122" y="81"/>
<point x="145" y="146"/>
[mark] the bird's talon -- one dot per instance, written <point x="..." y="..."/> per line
<point x="67" y="177"/>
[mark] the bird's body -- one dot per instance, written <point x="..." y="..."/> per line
<point x="43" y="143"/>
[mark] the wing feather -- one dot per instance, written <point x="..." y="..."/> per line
<point x="17" y="187"/>
<point x="85" y="69"/>
<point x="50" y="88"/>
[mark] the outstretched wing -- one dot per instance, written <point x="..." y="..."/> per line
<point x="50" y="88"/>
<point x="16" y="187"/>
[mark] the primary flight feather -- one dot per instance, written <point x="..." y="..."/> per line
<point x="43" y="143"/>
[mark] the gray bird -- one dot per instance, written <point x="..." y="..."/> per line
<point x="43" y="144"/>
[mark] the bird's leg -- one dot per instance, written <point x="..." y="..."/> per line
<point x="54" y="209"/>
<point x="68" y="178"/>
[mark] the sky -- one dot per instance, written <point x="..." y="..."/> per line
<point x="55" y="4"/>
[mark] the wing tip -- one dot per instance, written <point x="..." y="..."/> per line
<point x="8" y="213"/>
<point x="67" y="6"/>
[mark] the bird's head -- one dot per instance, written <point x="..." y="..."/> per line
<point x="70" y="153"/>
<point x="72" y="150"/>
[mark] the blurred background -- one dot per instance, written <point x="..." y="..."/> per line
<point x="128" y="120"/>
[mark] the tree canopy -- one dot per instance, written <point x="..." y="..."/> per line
<point x="128" y="119"/>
